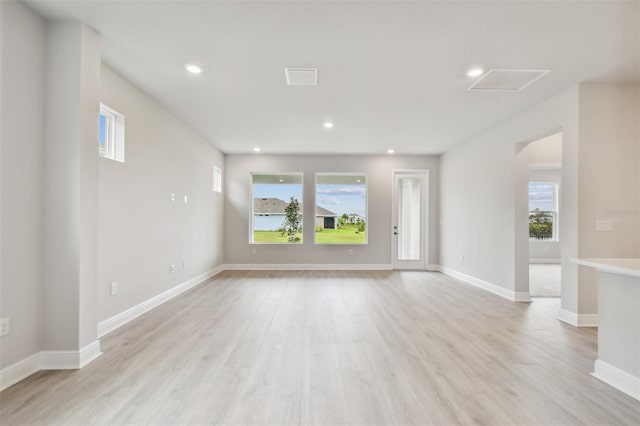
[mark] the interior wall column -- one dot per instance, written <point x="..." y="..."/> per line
<point x="71" y="186"/>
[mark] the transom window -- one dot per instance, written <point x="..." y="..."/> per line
<point x="217" y="179"/>
<point x="111" y="134"/>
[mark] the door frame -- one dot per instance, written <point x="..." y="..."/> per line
<point x="423" y="264"/>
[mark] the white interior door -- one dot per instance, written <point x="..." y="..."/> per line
<point x="410" y="208"/>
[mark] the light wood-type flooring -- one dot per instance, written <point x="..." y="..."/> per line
<point x="333" y="348"/>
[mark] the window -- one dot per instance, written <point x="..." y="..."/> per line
<point x="341" y="208"/>
<point x="543" y="213"/>
<point x="277" y="208"/>
<point x="111" y="134"/>
<point x="217" y="179"/>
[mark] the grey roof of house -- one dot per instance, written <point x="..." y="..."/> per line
<point x="321" y="211"/>
<point x="277" y="206"/>
<point x="268" y="206"/>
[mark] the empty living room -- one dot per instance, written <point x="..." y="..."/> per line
<point x="319" y="212"/>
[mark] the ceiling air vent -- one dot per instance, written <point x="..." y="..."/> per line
<point x="301" y="76"/>
<point x="508" y="80"/>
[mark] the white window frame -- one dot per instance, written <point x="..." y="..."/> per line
<point x="555" y="228"/>
<point x="217" y="179"/>
<point x="275" y="174"/>
<point x="366" y="207"/>
<point x="114" y="135"/>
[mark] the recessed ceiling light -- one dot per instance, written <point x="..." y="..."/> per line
<point x="194" y="68"/>
<point x="475" y="72"/>
<point x="281" y="180"/>
<point x="328" y="125"/>
<point x="358" y="180"/>
<point x="256" y="149"/>
<point x="390" y="151"/>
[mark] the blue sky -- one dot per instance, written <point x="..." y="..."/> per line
<point x="336" y="198"/>
<point x="342" y="199"/>
<point x="541" y="195"/>
<point x="283" y="191"/>
<point x="103" y="123"/>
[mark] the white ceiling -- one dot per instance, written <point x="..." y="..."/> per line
<point x="391" y="74"/>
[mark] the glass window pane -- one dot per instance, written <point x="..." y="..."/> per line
<point x="217" y="179"/>
<point x="103" y="129"/>
<point x="277" y="208"/>
<point x="409" y="194"/>
<point x="341" y="209"/>
<point x="541" y="196"/>
<point x="541" y="210"/>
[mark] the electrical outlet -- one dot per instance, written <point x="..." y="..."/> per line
<point x="113" y="288"/>
<point x="172" y="268"/>
<point x="186" y="199"/>
<point x="350" y="252"/>
<point x="173" y="197"/>
<point x="253" y="250"/>
<point x="462" y="258"/>
<point x="603" y="226"/>
<point x="184" y="265"/>
<point x="4" y="326"/>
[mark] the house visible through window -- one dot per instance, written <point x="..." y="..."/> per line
<point x="277" y="208"/>
<point x="111" y="134"/>
<point x="543" y="212"/>
<point x="341" y="209"/>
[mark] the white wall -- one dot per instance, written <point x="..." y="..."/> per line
<point x="379" y="177"/>
<point x="599" y="174"/>
<point x="141" y="231"/>
<point x="483" y="181"/>
<point x="22" y="179"/>
<point x="71" y="184"/>
<point x="609" y="179"/>
<point x="546" y="151"/>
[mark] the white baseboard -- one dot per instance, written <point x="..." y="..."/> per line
<point x="19" y="371"/>
<point x="308" y="267"/>
<point x="59" y="360"/>
<point x="49" y="360"/>
<point x="619" y="379"/>
<point x="107" y="326"/>
<point x="550" y="261"/>
<point x="578" y="320"/>
<point x="70" y="360"/>
<point x="521" y="296"/>
<point x="89" y="353"/>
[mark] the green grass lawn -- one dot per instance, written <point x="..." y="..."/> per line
<point x="344" y="235"/>
<point x="271" y="237"/>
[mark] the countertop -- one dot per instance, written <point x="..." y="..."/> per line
<point x="622" y="266"/>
